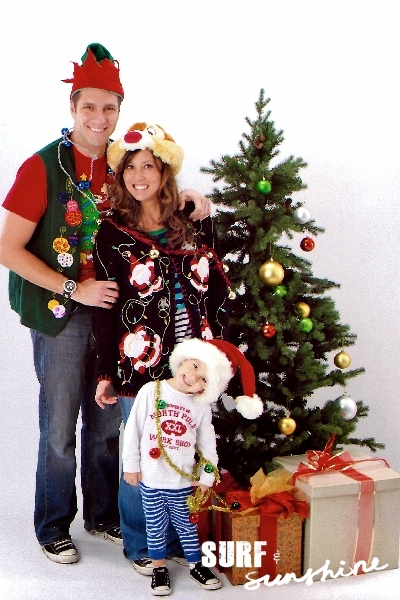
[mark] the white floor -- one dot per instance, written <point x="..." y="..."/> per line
<point x="103" y="573"/>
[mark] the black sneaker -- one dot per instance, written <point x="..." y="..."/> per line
<point x="61" y="551"/>
<point x="112" y="533"/>
<point x="160" y="585"/>
<point x="144" y="566"/>
<point x="180" y="560"/>
<point x="205" y="577"/>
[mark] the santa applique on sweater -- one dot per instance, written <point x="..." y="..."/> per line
<point x="142" y="347"/>
<point x="143" y="277"/>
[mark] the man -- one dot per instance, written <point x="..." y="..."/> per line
<point x="46" y="241"/>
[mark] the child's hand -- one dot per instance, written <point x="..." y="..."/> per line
<point x="103" y="393"/>
<point x="133" y="478"/>
<point x="203" y="487"/>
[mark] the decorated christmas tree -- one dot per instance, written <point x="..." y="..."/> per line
<point x="280" y="314"/>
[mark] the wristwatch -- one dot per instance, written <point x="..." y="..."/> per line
<point x="69" y="287"/>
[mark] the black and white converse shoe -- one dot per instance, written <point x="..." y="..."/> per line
<point x="112" y="533"/>
<point x="144" y="566"/>
<point x="61" y="551"/>
<point x="160" y="584"/>
<point x="205" y="577"/>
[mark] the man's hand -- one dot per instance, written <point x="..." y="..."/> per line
<point x="133" y="478"/>
<point x="103" y="393"/>
<point x="202" y="204"/>
<point x="15" y="233"/>
<point x="96" y="293"/>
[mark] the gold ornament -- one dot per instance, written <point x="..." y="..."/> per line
<point x="303" y="309"/>
<point x="52" y="304"/>
<point x="61" y="245"/>
<point x="342" y="360"/>
<point x="271" y="273"/>
<point x="286" y="425"/>
<point x="154" y="253"/>
<point x="231" y="294"/>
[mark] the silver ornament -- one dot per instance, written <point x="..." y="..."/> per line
<point x="348" y="408"/>
<point x="302" y="215"/>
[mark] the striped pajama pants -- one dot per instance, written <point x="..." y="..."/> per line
<point x="161" y="507"/>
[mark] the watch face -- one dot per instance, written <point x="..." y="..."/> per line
<point x="70" y="286"/>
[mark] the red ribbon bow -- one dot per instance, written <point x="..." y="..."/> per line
<point x="324" y="460"/>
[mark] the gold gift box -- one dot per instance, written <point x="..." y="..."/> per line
<point x="287" y="553"/>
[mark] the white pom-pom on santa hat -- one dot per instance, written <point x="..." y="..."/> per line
<point x="222" y="360"/>
<point x="249" y="405"/>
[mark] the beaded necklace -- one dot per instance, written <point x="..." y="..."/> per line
<point x="83" y="187"/>
<point x="84" y="218"/>
<point x="198" y="499"/>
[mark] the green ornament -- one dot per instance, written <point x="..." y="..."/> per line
<point x="264" y="186"/>
<point x="305" y="325"/>
<point x="161" y="404"/>
<point x="280" y="290"/>
<point x="208" y="468"/>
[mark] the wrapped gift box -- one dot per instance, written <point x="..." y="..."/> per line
<point x="336" y="525"/>
<point x="283" y="552"/>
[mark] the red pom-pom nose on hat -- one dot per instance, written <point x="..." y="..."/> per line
<point x="132" y="137"/>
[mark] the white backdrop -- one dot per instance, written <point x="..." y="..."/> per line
<point x="331" y="71"/>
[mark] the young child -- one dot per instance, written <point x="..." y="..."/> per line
<point x="170" y="421"/>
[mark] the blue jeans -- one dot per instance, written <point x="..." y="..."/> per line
<point x="65" y="368"/>
<point x="133" y="522"/>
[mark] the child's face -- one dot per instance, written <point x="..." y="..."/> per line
<point x="191" y="376"/>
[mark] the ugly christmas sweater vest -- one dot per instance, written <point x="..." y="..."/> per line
<point x="57" y="241"/>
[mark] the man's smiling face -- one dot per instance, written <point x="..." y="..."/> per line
<point x="95" y="117"/>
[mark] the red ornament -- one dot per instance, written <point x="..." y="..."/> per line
<point x="307" y="244"/>
<point x="194" y="518"/>
<point x="73" y="218"/>
<point x="268" y="330"/>
<point x="155" y="453"/>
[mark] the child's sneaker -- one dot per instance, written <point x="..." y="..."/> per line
<point x="160" y="585"/>
<point x="205" y="577"/>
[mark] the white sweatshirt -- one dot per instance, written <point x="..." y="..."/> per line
<point x="185" y="425"/>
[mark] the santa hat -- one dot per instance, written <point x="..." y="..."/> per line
<point x="144" y="135"/>
<point x="98" y="70"/>
<point x="222" y="360"/>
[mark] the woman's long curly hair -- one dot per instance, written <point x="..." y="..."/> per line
<point x="180" y="229"/>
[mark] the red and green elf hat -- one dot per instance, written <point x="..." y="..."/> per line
<point x="98" y="70"/>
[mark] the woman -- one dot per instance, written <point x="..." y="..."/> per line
<point x="172" y="287"/>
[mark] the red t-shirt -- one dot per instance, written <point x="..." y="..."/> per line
<point x="28" y="195"/>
